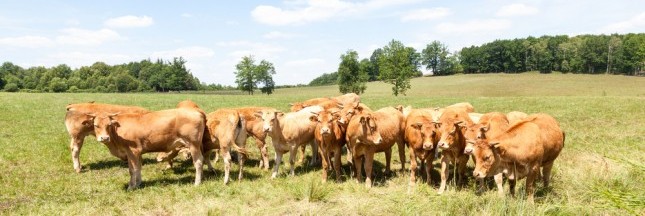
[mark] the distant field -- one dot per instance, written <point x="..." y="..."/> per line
<point x="601" y="170"/>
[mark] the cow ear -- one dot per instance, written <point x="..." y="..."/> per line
<point x="279" y="114"/>
<point x="417" y="125"/>
<point x="313" y="118"/>
<point x="339" y="105"/>
<point x="493" y="144"/>
<point x="114" y="122"/>
<point x="91" y="115"/>
<point x="363" y="120"/>
<point x="258" y="114"/>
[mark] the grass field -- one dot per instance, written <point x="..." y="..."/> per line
<point x="601" y="170"/>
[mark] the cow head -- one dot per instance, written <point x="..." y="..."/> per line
<point x="486" y="158"/>
<point x="326" y="119"/>
<point x="428" y="132"/>
<point x="473" y="133"/>
<point x="370" y="130"/>
<point x="269" y="119"/>
<point x="451" y="131"/>
<point x="104" y="125"/>
<point x="348" y="111"/>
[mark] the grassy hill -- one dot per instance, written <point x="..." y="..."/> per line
<point x="600" y="170"/>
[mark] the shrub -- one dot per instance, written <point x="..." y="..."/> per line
<point x="11" y="87"/>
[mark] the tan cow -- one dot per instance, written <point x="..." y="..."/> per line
<point x="330" y="138"/>
<point x="421" y="137"/>
<point x="161" y="131"/>
<point x="387" y="123"/>
<point x="254" y="128"/>
<point x="79" y="125"/>
<point x="169" y="156"/>
<point x="297" y="106"/>
<point x="349" y="98"/>
<point x="453" y="123"/>
<point x="515" y="116"/>
<point x="226" y="130"/>
<point x="289" y="131"/>
<point x="531" y="143"/>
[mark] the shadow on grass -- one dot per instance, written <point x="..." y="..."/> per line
<point x="108" y="164"/>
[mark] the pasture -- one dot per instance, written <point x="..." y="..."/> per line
<point x="601" y="169"/>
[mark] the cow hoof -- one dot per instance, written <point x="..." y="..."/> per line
<point x="78" y="170"/>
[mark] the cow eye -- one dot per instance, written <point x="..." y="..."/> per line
<point x="96" y="126"/>
<point x="486" y="157"/>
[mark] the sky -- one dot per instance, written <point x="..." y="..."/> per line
<point x="302" y="38"/>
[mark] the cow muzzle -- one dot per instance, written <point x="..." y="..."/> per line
<point x="267" y="129"/>
<point x="103" y="139"/>
<point x="478" y="174"/>
<point x="443" y="145"/>
<point x="427" y="146"/>
<point x="378" y="141"/>
<point x="324" y="131"/>
<point x="468" y="150"/>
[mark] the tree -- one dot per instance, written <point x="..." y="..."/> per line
<point x="397" y="65"/>
<point x="373" y="72"/>
<point x="248" y="75"/>
<point x="325" y="79"/>
<point x="350" y="76"/>
<point x="435" y="57"/>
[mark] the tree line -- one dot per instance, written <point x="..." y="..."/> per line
<point x="396" y="63"/>
<point x="142" y="76"/>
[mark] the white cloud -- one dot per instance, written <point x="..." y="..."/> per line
<point x="26" y="41"/>
<point x="486" y="25"/>
<point x="516" y="10"/>
<point x="425" y="14"/>
<point x="185" y="52"/>
<point x="634" y="24"/>
<point x="316" y="10"/>
<point x="278" y="35"/>
<point x="76" y="36"/>
<point x="187" y="15"/>
<point x="129" y="21"/>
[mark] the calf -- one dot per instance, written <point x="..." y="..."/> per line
<point x="161" y="131"/>
<point x="254" y="128"/>
<point x="79" y="125"/>
<point x="421" y="137"/>
<point x="531" y="143"/>
<point x="226" y="130"/>
<point x="331" y="139"/>
<point x="453" y="123"/>
<point x="375" y="132"/>
<point x="288" y="131"/>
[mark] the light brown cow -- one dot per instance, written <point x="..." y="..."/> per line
<point x="330" y="138"/>
<point x="79" y="125"/>
<point x="388" y="124"/>
<point x="421" y="137"/>
<point x="532" y="143"/>
<point x="453" y="123"/>
<point x="297" y="106"/>
<point x="349" y="98"/>
<point x="226" y="130"/>
<point x="161" y="131"/>
<point x="467" y="107"/>
<point x="168" y="157"/>
<point x="288" y="132"/>
<point x="254" y="128"/>
<point x="515" y="116"/>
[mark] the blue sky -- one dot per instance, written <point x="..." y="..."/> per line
<point x="302" y="38"/>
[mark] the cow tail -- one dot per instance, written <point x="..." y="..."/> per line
<point x="238" y="131"/>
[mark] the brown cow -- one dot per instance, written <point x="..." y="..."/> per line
<point x="161" y="131"/>
<point x="532" y="143"/>
<point x="289" y="131"/>
<point x="254" y="128"/>
<point x="330" y="138"/>
<point x="453" y="123"/>
<point x="79" y="125"/>
<point x="421" y="137"/>
<point x="169" y="156"/>
<point x="387" y="123"/>
<point x="226" y="130"/>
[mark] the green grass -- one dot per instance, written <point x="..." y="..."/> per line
<point x="599" y="172"/>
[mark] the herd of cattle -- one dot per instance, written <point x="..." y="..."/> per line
<point x="515" y="145"/>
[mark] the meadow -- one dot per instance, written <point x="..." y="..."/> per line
<point x="601" y="170"/>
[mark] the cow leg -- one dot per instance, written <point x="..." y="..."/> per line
<point x="401" y="148"/>
<point x="499" y="180"/>
<point x="511" y="187"/>
<point x="264" y="163"/>
<point x="369" y="162"/>
<point x="358" y="162"/>
<point x="226" y="157"/>
<point x="314" y="153"/>
<point x="242" y="158"/>
<point x="546" y="173"/>
<point x="413" y="167"/>
<point x="337" y="164"/>
<point x="301" y="157"/>
<point x="278" y="161"/>
<point x="75" y="146"/>
<point x="292" y="160"/>
<point x="388" y="161"/>
<point x="198" y="162"/>
<point x="530" y="181"/>
<point x="325" y="163"/>
<point x="444" y="173"/>
<point x="428" y="166"/>
<point x="207" y="160"/>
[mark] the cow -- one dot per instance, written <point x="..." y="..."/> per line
<point x="254" y="128"/>
<point x="160" y="131"/>
<point x="226" y="130"/>
<point x="421" y="137"/>
<point x="529" y="144"/>
<point x="289" y="131"/>
<point x="297" y="106"/>
<point x="79" y="125"/>
<point x="330" y="138"/>
<point x="375" y="132"/>
<point x="452" y="126"/>
<point x="515" y="116"/>
<point x="490" y="125"/>
<point x="169" y="156"/>
<point x="463" y="105"/>
<point x="349" y="98"/>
